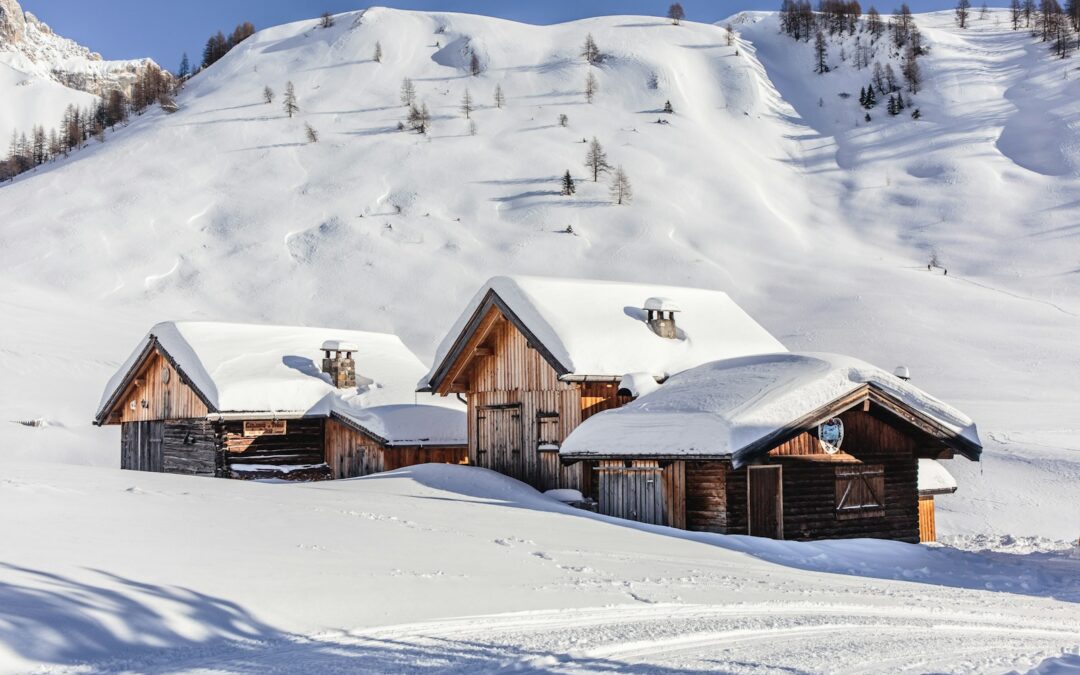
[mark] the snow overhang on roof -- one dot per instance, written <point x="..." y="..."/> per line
<point x="598" y="328"/>
<point x="740" y="407"/>
<point x="934" y="478"/>
<point x="262" y="370"/>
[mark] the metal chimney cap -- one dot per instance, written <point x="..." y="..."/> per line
<point x="902" y="372"/>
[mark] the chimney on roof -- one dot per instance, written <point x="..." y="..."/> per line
<point x="338" y="363"/>
<point x="903" y="373"/>
<point x="660" y="315"/>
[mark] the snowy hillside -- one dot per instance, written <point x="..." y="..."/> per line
<point x="456" y="569"/>
<point x="41" y="73"/>
<point x="765" y="183"/>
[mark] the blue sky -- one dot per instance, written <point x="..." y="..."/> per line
<point x="164" y="30"/>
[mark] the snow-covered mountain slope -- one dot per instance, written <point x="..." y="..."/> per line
<point x="41" y="73"/>
<point x="819" y="225"/>
<point x="441" y="568"/>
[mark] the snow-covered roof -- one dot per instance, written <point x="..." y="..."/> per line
<point x="249" y="368"/>
<point x="723" y="408"/>
<point x="598" y="327"/>
<point x="934" y="478"/>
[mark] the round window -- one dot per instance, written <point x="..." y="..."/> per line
<point x="165" y="374"/>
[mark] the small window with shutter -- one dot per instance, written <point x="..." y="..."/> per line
<point x="547" y="431"/>
<point x="860" y="491"/>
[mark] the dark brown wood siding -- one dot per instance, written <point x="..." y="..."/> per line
<point x="706" y="496"/>
<point x="191" y="447"/>
<point x="647" y="491"/>
<point x="809" y="483"/>
<point x="141" y="446"/>
<point x="302" y="444"/>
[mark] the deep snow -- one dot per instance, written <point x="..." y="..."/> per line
<point x="819" y="226"/>
<point x="458" y="569"/>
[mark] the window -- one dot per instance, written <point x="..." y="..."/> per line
<point x="547" y="431"/>
<point x="860" y="491"/>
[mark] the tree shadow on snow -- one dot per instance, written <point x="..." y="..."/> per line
<point x="114" y="624"/>
<point x="1045" y="575"/>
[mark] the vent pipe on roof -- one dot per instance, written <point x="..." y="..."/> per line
<point x="660" y="315"/>
<point x="338" y="363"/>
<point x="903" y="373"/>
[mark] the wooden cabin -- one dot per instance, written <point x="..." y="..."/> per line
<point x="786" y="446"/>
<point x="248" y="401"/>
<point x="934" y="480"/>
<point x="535" y="357"/>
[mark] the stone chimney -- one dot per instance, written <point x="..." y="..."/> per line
<point x="660" y="315"/>
<point x="338" y="363"/>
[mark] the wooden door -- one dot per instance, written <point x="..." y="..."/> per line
<point x="634" y="492"/>
<point x="499" y="440"/>
<point x="142" y="446"/>
<point x="765" y="501"/>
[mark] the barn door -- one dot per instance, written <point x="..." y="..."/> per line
<point x="499" y="439"/>
<point x="765" y="501"/>
<point x="634" y="492"/>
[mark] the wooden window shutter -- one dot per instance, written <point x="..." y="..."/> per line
<point x="860" y="491"/>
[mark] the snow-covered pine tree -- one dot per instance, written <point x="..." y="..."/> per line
<point x="563" y="120"/>
<point x="474" y="64"/>
<point x="185" y="67"/>
<point x="268" y="95"/>
<point x="862" y="96"/>
<point x="312" y="135"/>
<point x="568" y="187"/>
<point x="729" y="34"/>
<point x="621" y="191"/>
<point x="596" y="159"/>
<point x="290" y="105"/>
<point x="419" y="118"/>
<point x="326" y="20"/>
<point x="500" y="98"/>
<point x="377" y="56"/>
<point x="916" y="114"/>
<point x="667" y="107"/>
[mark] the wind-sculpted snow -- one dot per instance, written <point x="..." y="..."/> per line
<point x="819" y="225"/>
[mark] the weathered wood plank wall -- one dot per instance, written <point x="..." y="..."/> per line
<point x="156" y="399"/>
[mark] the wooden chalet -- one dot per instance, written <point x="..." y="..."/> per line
<point x="535" y="357"/>
<point x="249" y="401"/>
<point x="787" y="446"/>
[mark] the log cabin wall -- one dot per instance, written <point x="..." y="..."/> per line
<point x="810" y="483"/>
<point x="192" y="447"/>
<point x="302" y="443"/>
<point x="520" y="412"/>
<point x="706" y="496"/>
<point x="158" y="392"/>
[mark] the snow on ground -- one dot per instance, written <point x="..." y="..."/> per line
<point x="819" y="226"/>
<point x="458" y="569"/>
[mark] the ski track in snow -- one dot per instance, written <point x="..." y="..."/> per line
<point x="657" y="639"/>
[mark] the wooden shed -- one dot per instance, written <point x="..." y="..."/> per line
<point x="249" y="401"/>
<point x="786" y="446"/>
<point x="534" y="357"/>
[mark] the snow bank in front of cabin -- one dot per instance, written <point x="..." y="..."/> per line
<point x="720" y="408"/>
<point x="594" y="327"/>
<point x="460" y="569"/>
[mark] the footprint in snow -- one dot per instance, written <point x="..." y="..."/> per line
<point x="542" y="555"/>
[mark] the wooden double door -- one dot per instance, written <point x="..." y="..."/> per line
<point x="142" y="446"/>
<point x="499" y="440"/>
